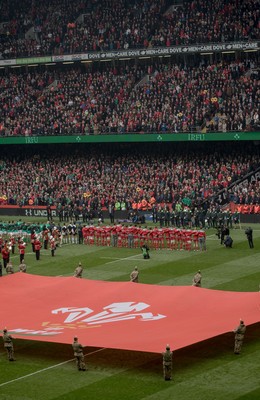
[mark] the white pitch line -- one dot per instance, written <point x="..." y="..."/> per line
<point x="118" y="258"/>
<point x="125" y="258"/>
<point x="46" y="369"/>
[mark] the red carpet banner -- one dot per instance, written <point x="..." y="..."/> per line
<point x="120" y="315"/>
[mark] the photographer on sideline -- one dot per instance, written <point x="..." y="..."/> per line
<point x="228" y="242"/>
<point x="249" y="234"/>
<point x="145" y="250"/>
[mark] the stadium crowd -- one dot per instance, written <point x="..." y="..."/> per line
<point x="161" y="97"/>
<point x="125" y="177"/>
<point x="136" y="97"/>
<point x="64" y="27"/>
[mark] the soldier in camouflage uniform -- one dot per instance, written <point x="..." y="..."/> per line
<point x="197" y="279"/>
<point x="134" y="276"/>
<point x="78" y="271"/>
<point x="10" y="268"/>
<point x="8" y="345"/>
<point x="78" y="353"/>
<point x="22" y="267"/>
<point x="167" y="363"/>
<point x="239" y="336"/>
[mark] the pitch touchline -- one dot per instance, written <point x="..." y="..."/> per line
<point x="46" y="369"/>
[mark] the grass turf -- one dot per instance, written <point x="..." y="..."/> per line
<point x="207" y="370"/>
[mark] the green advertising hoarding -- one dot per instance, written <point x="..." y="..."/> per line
<point x="33" y="60"/>
<point x="134" y="138"/>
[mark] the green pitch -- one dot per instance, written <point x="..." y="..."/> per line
<point x="206" y="371"/>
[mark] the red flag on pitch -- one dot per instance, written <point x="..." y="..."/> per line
<point x="121" y="315"/>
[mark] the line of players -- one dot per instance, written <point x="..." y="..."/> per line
<point x="134" y="236"/>
<point x="116" y="235"/>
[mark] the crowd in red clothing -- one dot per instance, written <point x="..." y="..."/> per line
<point x="170" y="97"/>
<point x="33" y="27"/>
<point x="65" y="102"/>
<point x="63" y="26"/>
<point x="96" y="177"/>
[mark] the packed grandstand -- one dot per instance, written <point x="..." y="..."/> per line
<point x="166" y="97"/>
<point x="58" y="27"/>
<point x="130" y="177"/>
<point x="181" y="93"/>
